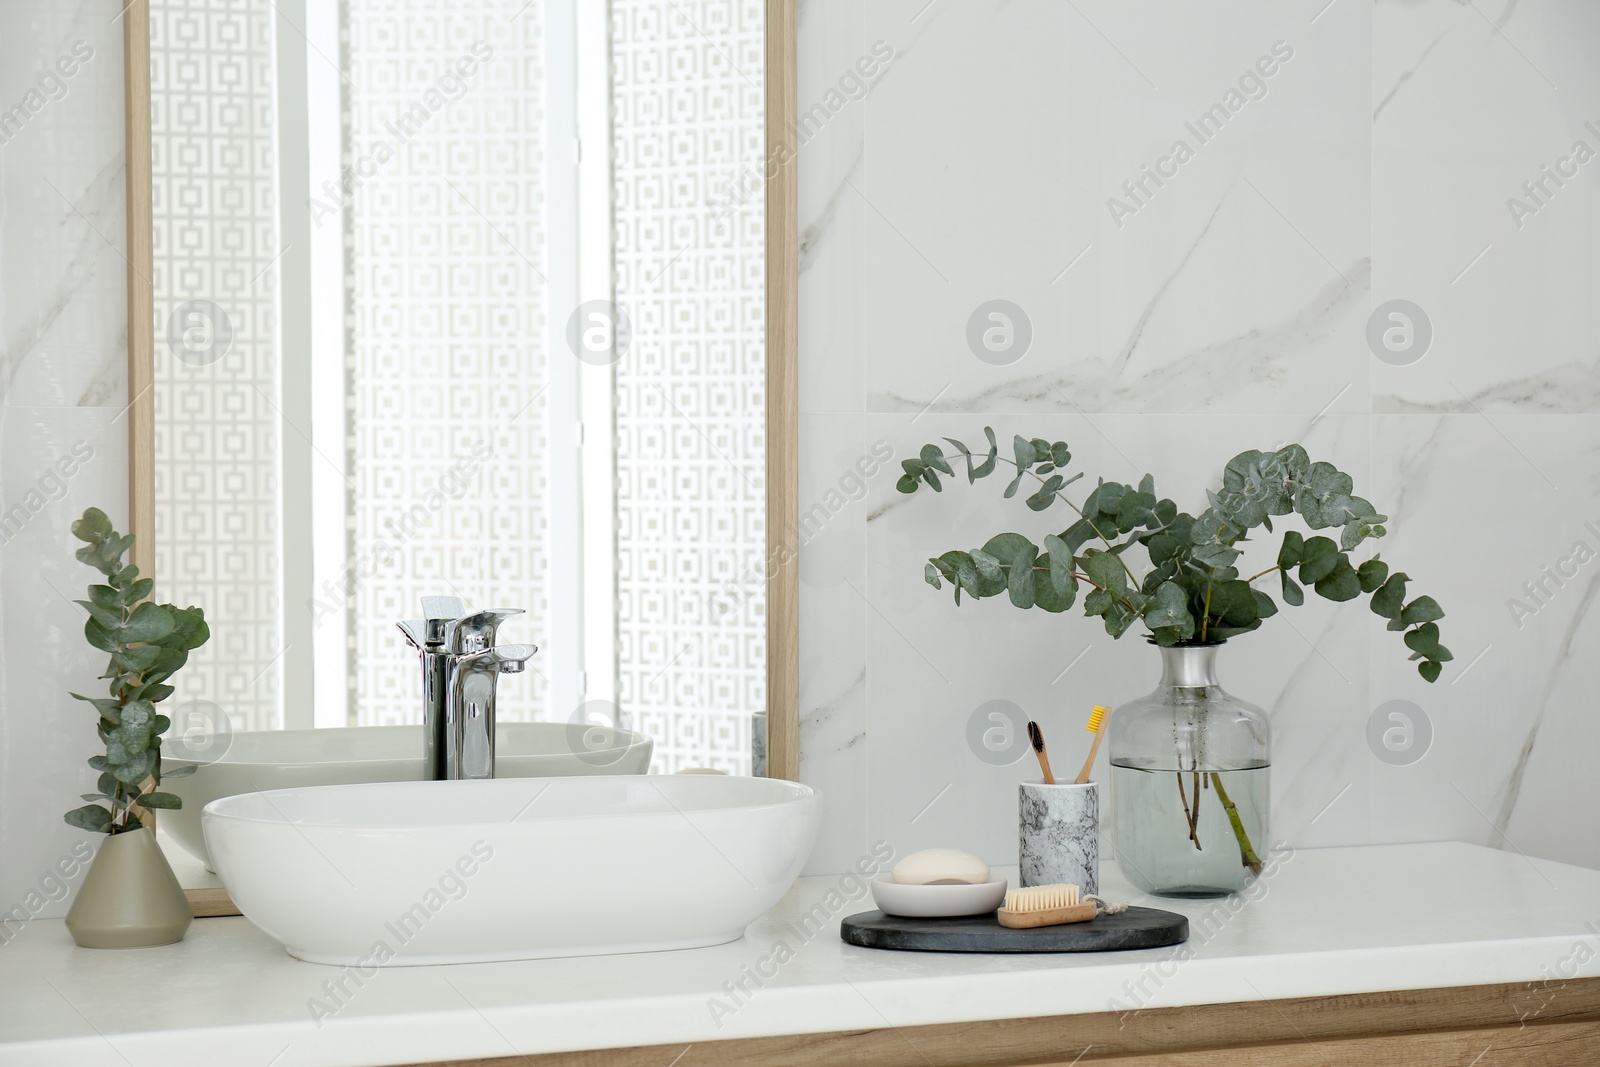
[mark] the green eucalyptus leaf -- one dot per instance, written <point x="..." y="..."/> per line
<point x="168" y="801"/>
<point x="1373" y="573"/>
<point x="986" y="468"/>
<point x="91" y="817"/>
<point x="934" y="457"/>
<point x="136" y="769"/>
<point x="1341" y="583"/>
<point x="1060" y="565"/>
<point x="1389" y="600"/>
<point x="1048" y="595"/>
<point x="149" y="622"/>
<point x="1004" y="547"/>
<point x="1020" y="581"/>
<point x="930" y="574"/>
<point x="1421" y="610"/>
<point x="1171" y="610"/>
<point x="98" y="636"/>
<point x="1047" y="493"/>
<point x="1292" y="593"/>
<point x="1429" y="669"/>
<point x="1320" y="557"/>
<point x="988" y="566"/>
<point x="1424" y="639"/>
<point x="906" y="484"/>
<point x="108" y="618"/>
<point x="1022" y="449"/>
<point x="1105" y="570"/>
<point x="137" y="660"/>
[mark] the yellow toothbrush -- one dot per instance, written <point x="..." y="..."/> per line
<point x="1097" y="720"/>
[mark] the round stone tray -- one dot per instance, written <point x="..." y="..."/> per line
<point x="1134" y="928"/>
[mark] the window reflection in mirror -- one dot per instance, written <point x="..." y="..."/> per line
<point x="464" y="300"/>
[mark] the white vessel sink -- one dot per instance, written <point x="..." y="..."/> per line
<point x="282" y="759"/>
<point x="515" y="868"/>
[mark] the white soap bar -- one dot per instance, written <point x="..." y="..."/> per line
<point x="941" y="866"/>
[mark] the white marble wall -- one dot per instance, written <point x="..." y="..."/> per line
<point x="1228" y="311"/>
<point x="63" y="387"/>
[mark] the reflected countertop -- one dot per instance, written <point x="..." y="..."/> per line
<point x="1320" y="922"/>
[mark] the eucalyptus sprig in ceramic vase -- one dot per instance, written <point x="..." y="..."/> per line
<point x="130" y="897"/>
<point x="1189" y="762"/>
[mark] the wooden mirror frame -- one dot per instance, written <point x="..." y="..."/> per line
<point x="782" y="377"/>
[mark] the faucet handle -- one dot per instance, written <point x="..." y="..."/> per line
<point x="476" y="632"/>
<point x="438" y="611"/>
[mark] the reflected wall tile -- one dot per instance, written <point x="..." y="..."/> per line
<point x="1483" y="215"/>
<point x="63" y="278"/>
<point x="54" y="462"/>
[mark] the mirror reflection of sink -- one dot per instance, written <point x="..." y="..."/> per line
<point x="412" y="873"/>
<point x="281" y="759"/>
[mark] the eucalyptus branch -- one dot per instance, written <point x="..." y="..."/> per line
<point x="1065" y="499"/>
<point x="1193" y="590"/>
<point x="148" y="643"/>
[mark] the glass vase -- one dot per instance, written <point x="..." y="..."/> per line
<point x="1189" y="781"/>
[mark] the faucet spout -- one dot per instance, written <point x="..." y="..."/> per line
<point x="471" y="714"/>
<point x="460" y="665"/>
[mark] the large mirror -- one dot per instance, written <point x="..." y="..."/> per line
<point x="472" y="301"/>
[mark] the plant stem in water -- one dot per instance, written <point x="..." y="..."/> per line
<point x="1247" y="852"/>
<point x="1190" y="815"/>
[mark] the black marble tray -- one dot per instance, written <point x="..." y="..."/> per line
<point x="1134" y="928"/>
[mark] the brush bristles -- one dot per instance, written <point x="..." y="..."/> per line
<point x="1042" y="897"/>
<point x="1096" y="717"/>
<point x="1036" y="736"/>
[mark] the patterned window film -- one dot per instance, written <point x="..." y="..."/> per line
<point x="215" y="229"/>
<point x="687" y="107"/>
<point x="447" y="324"/>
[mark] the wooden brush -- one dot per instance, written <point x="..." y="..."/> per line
<point x="1037" y="737"/>
<point x="1097" y="722"/>
<point x="1045" y="905"/>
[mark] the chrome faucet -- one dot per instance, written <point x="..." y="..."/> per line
<point x="460" y="668"/>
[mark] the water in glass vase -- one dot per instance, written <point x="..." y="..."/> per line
<point x="1175" y="832"/>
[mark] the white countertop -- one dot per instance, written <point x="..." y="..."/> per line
<point x="1443" y="914"/>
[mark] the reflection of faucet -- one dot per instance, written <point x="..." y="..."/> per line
<point x="471" y="707"/>
<point x="460" y="666"/>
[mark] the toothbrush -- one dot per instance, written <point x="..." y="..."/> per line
<point x="1096" y="726"/>
<point x="1037" y="737"/>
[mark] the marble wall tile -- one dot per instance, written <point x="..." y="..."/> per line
<point x="63" y="278"/>
<point x="1376" y="167"/>
<point x="830" y="140"/>
<point x="63" y="384"/>
<point x="1472" y="101"/>
<point x="54" y="462"/>
<point x="996" y="155"/>
<point x="834" y="489"/>
<point x="1505" y="510"/>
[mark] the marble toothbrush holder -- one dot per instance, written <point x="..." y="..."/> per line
<point x="1059" y="832"/>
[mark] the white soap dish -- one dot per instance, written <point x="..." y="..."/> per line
<point x="936" y="901"/>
